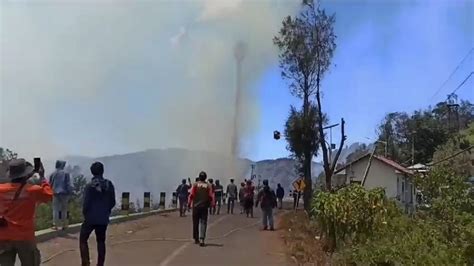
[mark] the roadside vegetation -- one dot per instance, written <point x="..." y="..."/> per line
<point x="351" y="225"/>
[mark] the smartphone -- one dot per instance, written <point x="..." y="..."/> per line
<point x="37" y="164"/>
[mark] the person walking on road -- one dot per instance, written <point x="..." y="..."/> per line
<point x="211" y="208"/>
<point x="201" y="199"/>
<point x="268" y="201"/>
<point x="249" y="194"/>
<point x="218" y="195"/>
<point x="280" y="195"/>
<point x="19" y="197"/>
<point x="183" y="194"/>
<point x="241" y="197"/>
<point x="231" y="192"/>
<point x="60" y="181"/>
<point x="99" y="200"/>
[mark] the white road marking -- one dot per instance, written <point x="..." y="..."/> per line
<point x="178" y="251"/>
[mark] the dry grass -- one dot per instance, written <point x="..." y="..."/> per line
<point x="301" y="238"/>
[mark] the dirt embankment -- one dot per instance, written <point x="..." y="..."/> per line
<point x="302" y="239"/>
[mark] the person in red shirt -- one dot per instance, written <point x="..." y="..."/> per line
<point x="18" y="199"/>
<point x="249" y="194"/>
<point x="201" y="199"/>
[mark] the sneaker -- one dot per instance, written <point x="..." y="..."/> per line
<point x="272" y="229"/>
<point x="202" y="243"/>
<point x="265" y="228"/>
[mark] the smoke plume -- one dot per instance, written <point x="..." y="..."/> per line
<point x="106" y="77"/>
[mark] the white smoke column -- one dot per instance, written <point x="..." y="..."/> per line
<point x="106" y="77"/>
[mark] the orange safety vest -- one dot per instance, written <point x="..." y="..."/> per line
<point x="21" y="212"/>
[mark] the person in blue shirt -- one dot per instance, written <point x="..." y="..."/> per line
<point x="60" y="182"/>
<point x="99" y="200"/>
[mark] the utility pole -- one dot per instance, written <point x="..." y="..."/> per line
<point x="413" y="148"/>
<point x="331" y="145"/>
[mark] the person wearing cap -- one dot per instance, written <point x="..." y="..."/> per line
<point x="99" y="200"/>
<point x="231" y="192"/>
<point x="201" y="199"/>
<point x="268" y="201"/>
<point x="183" y="193"/>
<point x="18" y="199"/>
<point x="60" y="181"/>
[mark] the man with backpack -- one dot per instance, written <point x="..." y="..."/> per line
<point x="99" y="200"/>
<point x="19" y="197"/>
<point x="201" y="199"/>
<point x="183" y="194"/>
<point x="267" y="199"/>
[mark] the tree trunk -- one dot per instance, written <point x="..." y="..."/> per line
<point x="308" y="190"/>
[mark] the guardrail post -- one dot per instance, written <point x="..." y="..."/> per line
<point x="125" y="203"/>
<point x="174" y="201"/>
<point x="162" y="200"/>
<point x="146" y="201"/>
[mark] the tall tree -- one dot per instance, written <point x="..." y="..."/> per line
<point x="302" y="135"/>
<point x="307" y="44"/>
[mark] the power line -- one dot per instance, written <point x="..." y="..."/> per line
<point x="462" y="83"/>
<point x="451" y="156"/>
<point x="452" y="73"/>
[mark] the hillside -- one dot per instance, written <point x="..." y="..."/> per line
<point x="162" y="170"/>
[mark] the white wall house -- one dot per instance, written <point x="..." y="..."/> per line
<point x="385" y="173"/>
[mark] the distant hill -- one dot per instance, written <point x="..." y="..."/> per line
<point x="162" y="170"/>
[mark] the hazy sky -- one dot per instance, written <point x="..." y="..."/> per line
<point x="102" y="77"/>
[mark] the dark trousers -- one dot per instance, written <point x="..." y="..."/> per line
<point x="218" y="206"/>
<point x="100" y="232"/>
<point x="182" y="206"/>
<point x="200" y="215"/>
<point x="26" y="250"/>
<point x="280" y="203"/>
<point x="230" y="205"/>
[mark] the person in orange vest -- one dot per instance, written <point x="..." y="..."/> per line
<point x="201" y="199"/>
<point x="18" y="200"/>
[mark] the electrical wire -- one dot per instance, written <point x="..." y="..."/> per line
<point x="165" y="239"/>
<point x="452" y="73"/>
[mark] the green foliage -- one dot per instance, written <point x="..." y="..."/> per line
<point x="353" y="212"/>
<point x="404" y="241"/>
<point x="302" y="133"/>
<point x="307" y="43"/>
<point x="426" y="130"/>
<point x="370" y="230"/>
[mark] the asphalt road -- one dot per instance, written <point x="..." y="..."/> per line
<point x="165" y="240"/>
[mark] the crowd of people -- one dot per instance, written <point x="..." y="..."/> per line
<point x="204" y="198"/>
<point x="26" y="187"/>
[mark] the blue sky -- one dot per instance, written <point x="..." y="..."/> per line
<point x="109" y="76"/>
<point x="391" y="56"/>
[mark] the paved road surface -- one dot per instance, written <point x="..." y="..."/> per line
<point x="233" y="240"/>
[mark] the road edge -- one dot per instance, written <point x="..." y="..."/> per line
<point x="48" y="234"/>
